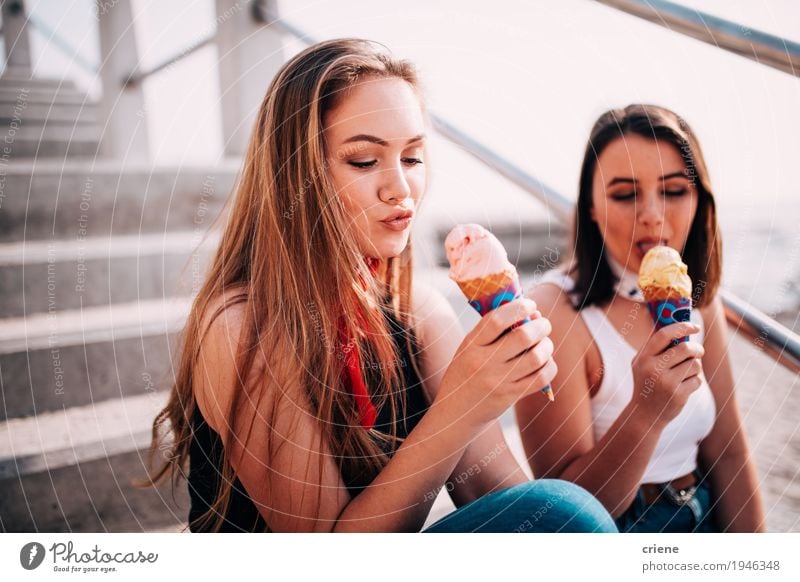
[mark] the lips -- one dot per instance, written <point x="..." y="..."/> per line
<point x="647" y="243"/>
<point x="398" y="215"/>
<point x="398" y="221"/>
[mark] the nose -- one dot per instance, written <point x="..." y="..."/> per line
<point x="650" y="210"/>
<point x="394" y="186"/>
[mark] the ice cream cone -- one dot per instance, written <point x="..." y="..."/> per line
<point x="482" y="288"/>
<point x="666" y="287"/>
<point x="483" y="273"/>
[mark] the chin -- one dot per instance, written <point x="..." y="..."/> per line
<point x="391" y="254"/>
<point x="389" y="251"/>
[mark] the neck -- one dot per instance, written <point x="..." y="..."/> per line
<point x="627" y="285"/>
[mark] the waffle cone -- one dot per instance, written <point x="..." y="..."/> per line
<point x="488" y="285"/>
<point x="652" y="293"/>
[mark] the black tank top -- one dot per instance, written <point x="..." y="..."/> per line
<point x="205" y="453"/>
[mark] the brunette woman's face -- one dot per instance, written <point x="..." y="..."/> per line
<point x="375" y="148"/>
<point x="642" y="196"/>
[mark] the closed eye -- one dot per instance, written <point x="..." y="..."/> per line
<point x="625" y="196"/>
<point x="367" y="164"/>
<point x="412" y="161"/>
<point x="675" y="193"/>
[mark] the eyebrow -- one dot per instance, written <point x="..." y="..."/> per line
<point x="665" y="177"/>
<point x="379" y="141"/>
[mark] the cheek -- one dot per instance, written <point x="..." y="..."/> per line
<point x="681" y="215"/>
<point x="419" y="183"/>
<point x="353" y="191"/>
<point x="615" y="221"/>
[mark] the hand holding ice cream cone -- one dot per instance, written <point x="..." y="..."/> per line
<point x="666" y="286"/>
<point x="480" y="266"/>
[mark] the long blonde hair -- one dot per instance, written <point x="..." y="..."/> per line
<point x="287" y="246"/>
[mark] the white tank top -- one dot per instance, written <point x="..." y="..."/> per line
<point x="675" y="454"/>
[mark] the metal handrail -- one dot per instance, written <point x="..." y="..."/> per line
<point x="776" y="340"/>
<point x="137" y="77"/>
<point x="766" y="49"/>
<point x="555" y="202"/>
<point x="772" y="337"/>
<point x="64" y="46"/>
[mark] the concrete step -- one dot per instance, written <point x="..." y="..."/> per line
<point x="53" y="132"/>
<point x="45" y="200"/>
<point x="51" y="140"/>
<point x="25" y="93"/>
<point x="62" y="359"/>
<point x="79" y="434"/>
<point x="45" y="276"/>
<point x="38" y="113"/>
<point x="92" y="496"/>
<point x="12" y="80"/>
<point x="39" y="149"/>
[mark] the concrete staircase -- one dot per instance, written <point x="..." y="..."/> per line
<point x="47" y="118"/>
<point x="98" y="260"/>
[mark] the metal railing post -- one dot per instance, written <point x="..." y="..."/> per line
<point x="16" y="39"/>
<point x="250" y="54"/>
<point x="123" y="105"/>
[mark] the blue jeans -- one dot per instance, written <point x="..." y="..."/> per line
<point x="662" y="516"/>
<point x="544" y="505"/>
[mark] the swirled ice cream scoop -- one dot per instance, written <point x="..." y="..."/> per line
<point x="480" y="266"/>
<point x="474" y="253"/>
<point x="664" y="275"/>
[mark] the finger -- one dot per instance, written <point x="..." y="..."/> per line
<point x="687" y="369"/>
<point x="664" y="337"/>
<point x="692" y="383"/>
<point x="495" y="323"/>
<point x="532" y="360"/>
<point x="523" y="338"/>
<point x="682" y="352"/>
<point x="540" y="377"/>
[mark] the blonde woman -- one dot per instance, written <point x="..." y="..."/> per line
<point x="318" y="389"/>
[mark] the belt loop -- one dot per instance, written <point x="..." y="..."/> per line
<point x="641" y="504"/>
<point x="631" y="516"/>
<point x="697" y="510"/>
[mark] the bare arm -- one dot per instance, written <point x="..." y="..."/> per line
<point x="559" y="439"/>
<point x="299" y="487"/>
<point x="487" y="464"/>
<point x="725" y="452"/>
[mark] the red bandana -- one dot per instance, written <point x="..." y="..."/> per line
<point x="352" y="378"/>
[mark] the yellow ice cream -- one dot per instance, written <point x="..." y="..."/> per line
<point x="663" y="275"/>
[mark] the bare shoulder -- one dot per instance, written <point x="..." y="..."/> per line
<point x="549" y="297"/>
<point x="217" y="375"/>
<point x="555" y="304"/>
<point x="432" y="312"/>
<point x="712" y="310"/>
<point x="426" y="299"/>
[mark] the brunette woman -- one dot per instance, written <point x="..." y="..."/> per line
<point x="650" y="428"/>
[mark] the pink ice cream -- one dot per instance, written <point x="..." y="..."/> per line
<point x="480" y="266"/>
<point x="474" y="252"/>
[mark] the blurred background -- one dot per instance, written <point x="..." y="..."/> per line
<point x="123" y="125"/>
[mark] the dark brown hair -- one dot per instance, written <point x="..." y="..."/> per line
<point x="594" y="279"/>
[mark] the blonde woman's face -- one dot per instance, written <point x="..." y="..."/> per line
<point x="642" y="196"/>
<point x="375" y="148"/>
